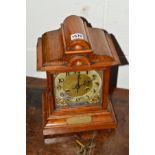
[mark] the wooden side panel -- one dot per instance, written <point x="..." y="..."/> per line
<point x="106" y="79"/>
<point x="50" y="91"/>
<point x="39" y="54"/>
<point x="52" y="47"/>
<point x="112" y="48"/>
<point x="99" y="43"/>
<point x="45" y="107"/>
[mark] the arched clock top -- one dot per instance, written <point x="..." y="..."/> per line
<point x="75" y="35"/>
<point x="56" y="49"/>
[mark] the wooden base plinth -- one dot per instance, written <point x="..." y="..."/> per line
<point x="64" y="122"/>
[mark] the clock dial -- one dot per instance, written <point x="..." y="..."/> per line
<point x="77" y="84"/>
<point x="78" y="88"/>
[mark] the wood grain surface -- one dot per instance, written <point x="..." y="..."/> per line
<point x="56" y="48"/>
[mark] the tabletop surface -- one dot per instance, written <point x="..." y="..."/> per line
<point x="107" y="142"/>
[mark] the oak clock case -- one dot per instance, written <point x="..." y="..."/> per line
<point x="77" y="59"/>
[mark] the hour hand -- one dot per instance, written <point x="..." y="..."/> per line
<point x="78" y="81"/>
<point x="77" y="86"/>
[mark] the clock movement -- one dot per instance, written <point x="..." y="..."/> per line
<point x="77" y="59"/>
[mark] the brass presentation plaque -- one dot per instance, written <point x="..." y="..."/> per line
<point x="79" y="120"/>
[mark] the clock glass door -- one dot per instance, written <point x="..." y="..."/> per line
<point x="78" y="88"/>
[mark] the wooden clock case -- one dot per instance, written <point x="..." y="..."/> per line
<point x="76" y="47"/>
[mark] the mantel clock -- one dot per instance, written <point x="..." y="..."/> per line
<point x="77" y="59"/>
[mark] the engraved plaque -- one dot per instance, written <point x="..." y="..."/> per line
<point x="79" y="120"/>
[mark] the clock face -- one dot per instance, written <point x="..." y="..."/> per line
<point x="78" y="88"/>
